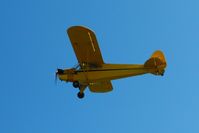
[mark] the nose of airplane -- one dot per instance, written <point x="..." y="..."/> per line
<point x="62" y="75"/>
<point x="60" y="71"/>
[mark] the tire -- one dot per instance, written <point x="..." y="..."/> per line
<point x="80" y="95"/>
<point x="76" y="84"/>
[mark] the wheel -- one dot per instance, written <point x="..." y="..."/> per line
<point x="80" y="95"/>
<point x="76" y="84"/>
<point x="162" y="74"/>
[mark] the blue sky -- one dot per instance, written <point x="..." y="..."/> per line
<point x="33" y="43"/>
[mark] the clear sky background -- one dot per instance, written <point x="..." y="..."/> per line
<point x="33" y="43"/>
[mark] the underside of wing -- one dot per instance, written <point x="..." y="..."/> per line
<point x="85" y="45"/>
<point x="104" y="86"/>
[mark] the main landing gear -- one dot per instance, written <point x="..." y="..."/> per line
<point x="80" y="94"/>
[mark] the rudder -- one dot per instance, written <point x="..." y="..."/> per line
<point x="158" y="61"/>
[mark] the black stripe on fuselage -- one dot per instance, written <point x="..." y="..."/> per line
<point x="109" y="69"/>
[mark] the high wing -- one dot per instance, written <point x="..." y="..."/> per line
<point x="85" y="45"/>
<point x="104" y="86"/>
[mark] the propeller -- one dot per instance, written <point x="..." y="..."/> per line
<point x="59" y="72"/>
<point x="56" y="74"/>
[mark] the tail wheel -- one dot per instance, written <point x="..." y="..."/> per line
<point x="76" y="84"/>
<point x="80" y="95"/>
<point x="162" y="74"/>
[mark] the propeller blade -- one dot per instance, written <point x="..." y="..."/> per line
<point x="56" y="78"/>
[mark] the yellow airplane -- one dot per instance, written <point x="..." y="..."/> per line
<point x="92" y="72"/>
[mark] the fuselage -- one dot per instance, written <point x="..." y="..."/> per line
<point x="88" y="75"/>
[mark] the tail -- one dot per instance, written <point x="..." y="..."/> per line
<point x="158" y="62"/>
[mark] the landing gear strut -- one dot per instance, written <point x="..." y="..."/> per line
<point x="80" y="94"/>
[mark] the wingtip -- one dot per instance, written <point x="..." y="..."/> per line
<point x="78" y="27"/>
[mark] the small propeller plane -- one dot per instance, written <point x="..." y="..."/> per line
<point x="91" y="70"/>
